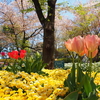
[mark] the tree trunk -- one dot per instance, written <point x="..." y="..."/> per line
<point x="48" y="27"/>
<point x="48" y="45"/>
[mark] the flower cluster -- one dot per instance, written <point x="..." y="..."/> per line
<point x="24" y="86"/>
<point x="87" y="45"/>
<point x="17" y="54"/>
<point x="3" y="53"/>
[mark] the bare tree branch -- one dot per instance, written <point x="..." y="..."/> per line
<point x="34" y="33"/>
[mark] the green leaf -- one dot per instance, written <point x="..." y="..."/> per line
<point x="68" y="83"/>
<point x="80" y="74"/>
<point x="73" y="74"/>
<point x="92" y="97"/>
<point x="72" y="96"/>
<point x="87" y="85"/>
<point x="93" y="85"/>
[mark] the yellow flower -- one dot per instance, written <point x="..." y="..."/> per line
<point x="34" y="86"/>
<point x="2" y="99"/>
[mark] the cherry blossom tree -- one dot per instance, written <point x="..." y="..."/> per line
<point x="21" y="23"/>
<point x="18" y="24"/>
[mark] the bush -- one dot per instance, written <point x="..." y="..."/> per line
<point x="66" y="60"/>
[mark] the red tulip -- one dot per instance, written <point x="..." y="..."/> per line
<point x="22" y="53"/>
<point x="91" y="42"/>
<point x="13" y="54"/>
<point x="3" y="53"/>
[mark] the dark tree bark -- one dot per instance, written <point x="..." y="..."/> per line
<point x="48" y="27"/>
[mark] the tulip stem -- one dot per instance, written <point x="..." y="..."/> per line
<point x="73" y="69"/>
<point x="73" y="58"/>
<point x="90" y="64"/>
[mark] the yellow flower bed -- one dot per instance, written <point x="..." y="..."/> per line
<point x="22" y="86"/>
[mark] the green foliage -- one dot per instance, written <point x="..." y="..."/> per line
<point x="85" y="21"/>
<point x="33" y="64"/>
<point x="44" y="5"/>
<point x="7" y="29"/>
<point x="72" y="96"/>
<point x="64" y="3"/>
<point x="27" y="10"/>
<point x="67" y="60"/>
<point x="7" y="60"/>
<point x="42" y="2"/>
<point x="97" y="5"/>
<point x="13" y="67"/>
<point x="70" y="81"/>
<point x="81" y="83"/>
<point x="80" y="10"/>
<point x="29" y="64"/>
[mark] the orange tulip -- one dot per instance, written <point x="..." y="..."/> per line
<point x="91" y="54"/>
<point x="83" y="52"/>
<point x="91" y="42"/>
<point x="78" y="44"/>
<point x="68" y="44"/>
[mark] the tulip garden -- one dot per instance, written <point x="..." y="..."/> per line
<point x="27" y="79"/>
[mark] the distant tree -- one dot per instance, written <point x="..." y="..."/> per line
<point x="4" y="41"/>
<point x="86" y="21"/>
<point x="19" y="25"/>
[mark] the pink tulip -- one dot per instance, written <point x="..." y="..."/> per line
<point x="88" y="45"/>
<point x="76" y="44"/>
<point x="83" y="52"/>
<point x="91" y="42"/>
<point x="68" y="44"/>
<point x="91" y="54"/>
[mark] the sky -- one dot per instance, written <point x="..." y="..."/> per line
<point x="72" y="3"/>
